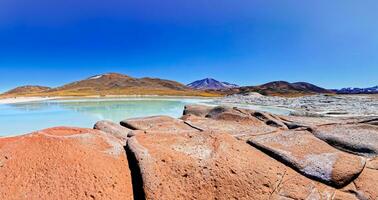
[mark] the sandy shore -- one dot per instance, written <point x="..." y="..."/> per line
<point x="25" y="99"/>
<point x="34" y="99"/>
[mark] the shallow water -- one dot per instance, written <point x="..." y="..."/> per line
<point x="27" y="117"/>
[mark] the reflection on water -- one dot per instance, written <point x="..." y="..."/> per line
<point x="119" y="110"/>
<point x="26" y="117"/>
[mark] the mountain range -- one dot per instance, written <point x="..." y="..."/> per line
<point x="283" y="88"/>
<point x="275" y="88"/>
<point x="120" y="84"/>
<point x="350" y="90"/>
<point x="211" y="84"/>
<point x="111" y="84"/>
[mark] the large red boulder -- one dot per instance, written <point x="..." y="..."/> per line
<point x="202" y="166"/>
<point x="214" y="166"/>
<point x="359" y="139"/>
<point x="64" y="163"/>
<point x="310" y="156"/>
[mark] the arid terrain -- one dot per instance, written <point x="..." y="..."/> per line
<point x="120" y="84"/>
<point x="188" y="100"/>
<point x="209" y="153"/>
<point x="110" y="84"/>
<point x="313" y="105"/>
<point x="286" y="89"/>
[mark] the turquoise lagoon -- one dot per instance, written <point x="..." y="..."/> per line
<point x="22" y="118"/>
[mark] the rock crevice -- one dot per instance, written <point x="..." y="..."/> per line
<point x="210" y="153"/>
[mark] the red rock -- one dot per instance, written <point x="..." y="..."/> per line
<point x="311" y="156"/>
<point x="350" y="192"/>
<point x="310" y="121"/>
<point x="244" y="116"/>
<point x="197" y="110"/>
<point x="295" y="186"/>
<point x="114" y="129"/>
<point x="195" y="157"/>
<point x="203" y="166"/>
<point x="268" y="119"/>
<point x="229" y="114"/>
<point x="234" y="114"/>
<point x="240" y="123"/>
<point x="344" y="196"/>
<point x="238" y="129"/>
<point x="360" y="139"/>
<point x="367" y="183"/>
<point x="64" y="163"/>
<point x="372" y="163"/>
<point x="157" y="123"/>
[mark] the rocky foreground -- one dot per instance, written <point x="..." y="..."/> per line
<point x="210" y="153"/>
<point x="314" y="105"/>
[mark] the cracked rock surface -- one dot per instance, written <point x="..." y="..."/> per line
<point x="157" y="123"/>
<point x="234" y="121"/>
<point x="203" y="166"/>
<point x="311" y="156"/>
<point x="209" y="153"/>
<point x="355" y="138"/>
<point x="114" y="129"/>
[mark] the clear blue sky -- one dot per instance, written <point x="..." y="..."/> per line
<point x="330" y="43"/>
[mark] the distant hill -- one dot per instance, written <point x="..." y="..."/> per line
<point x="350" y="90"/>
<point x="115" y="84"/>
<point x="283" y="88"/>
<point x="211" y="84"/>
<point x="27" y="89"/>
<point x="120" y="84"/>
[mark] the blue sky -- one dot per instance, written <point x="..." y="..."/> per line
<point x="329" y="43"/>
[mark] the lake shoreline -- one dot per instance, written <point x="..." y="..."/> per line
<point x="40" y="113"/>
<point x="14" y="100"/>
<point x="25" y="99"/>
<point x="230" y="147"/>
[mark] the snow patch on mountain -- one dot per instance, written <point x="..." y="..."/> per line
<point x="95" y="77"/>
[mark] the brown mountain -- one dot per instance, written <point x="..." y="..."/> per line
<point x="283" y="88"/>
<point x="27" y="89"/>
<point x="119" y="84"/>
